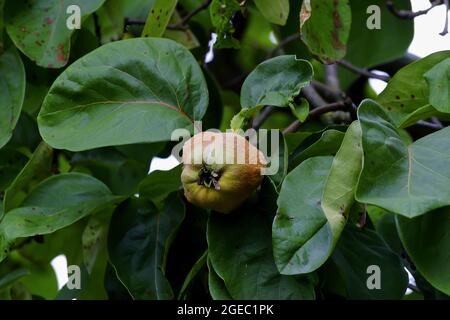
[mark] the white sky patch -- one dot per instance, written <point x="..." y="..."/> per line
<point x="378" y="85"/>
<point x="210" y="55"/>
<point x="273" y="38"/>
<point x="427" y="28"/>
<point x="410" y="281"/>
<point x="59" y="264"/>
<point x="163" y="163"/>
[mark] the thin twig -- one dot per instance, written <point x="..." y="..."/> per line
<point x="182" y="25"/>
<point x="314" y="99"/>
<point x="407" y="14"/>
<point x="331" y="77"/>
<point x="447" y="7"/>
<point x="201" y="7"/>
<point x="430" y="125"/>
<point x="414" y="288"/>
<point x="282" y="43"/>
<point x="362" y="71"/>
<point x="262" y="117"/>
<point x="340" y="105"/>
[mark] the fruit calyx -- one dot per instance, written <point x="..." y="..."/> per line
<point x="208" y="177"/>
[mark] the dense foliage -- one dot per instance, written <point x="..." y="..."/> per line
<point x="362" y="193"/>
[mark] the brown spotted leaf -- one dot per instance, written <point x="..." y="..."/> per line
<point x="325" y="28"/>
<point x="40" y="29"/>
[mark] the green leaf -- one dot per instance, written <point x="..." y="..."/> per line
<point x="245" y="263"/>
<point x="300" y="111"/>
<point x="158" y="18"/>
<point x="12" y="92"/>
<point x="222" y="12"/>
<point x="275" y="82"/>
<point x="216" y="286"/>
<point x="193" y="273"/>
<point x="274" y="11"/>
<point x="427" y="241"/>
<point x="301" y="236"/>
<point x="406" y="179"/>
<point x="2" y="25"/>
<point x="120" y="173"/>
<point x="339" y="190"/>
<point x="106" y="99"/>
<point x="93" y="239"/>
<point x="40" y="31"/>
<point x="328" y="144"/>
<point x="158" y="184"/>
<point x="56" y="203"/>
<point x="406" y="98"/>
<point x="358" y="249"/>
<point x="37" y="169"/>
<point x="11" y="163"/>
<point x="371" y="47"/>
<point x="114" y="288"/>
<point x="139" y="239"/>
<point x="10" y="278"/>
<point x="438" y="79"/>
<point x="325" y="28"/>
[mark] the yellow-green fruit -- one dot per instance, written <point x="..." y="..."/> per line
<point x="220" y="170"/>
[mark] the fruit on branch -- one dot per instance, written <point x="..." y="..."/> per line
<point x="220" y="170"/>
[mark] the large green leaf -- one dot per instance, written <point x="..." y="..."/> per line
<point x="139" y="239"/>
<point x="11" y="163"/>
<point x="40" y="31"/>
<point x="302" y="238"/>
<point x="406" y="98"/>
<point x="12" y="92"/>
<point x="245" y="262"/>
<point x="37" y="169"/>
<point x="158" y="18"/>
<point x="370" y="47"/>
<point x="438" y="79"/>
<point x="355" y="252"/>
<point x="275" y="82"/>
<point x="55" y="203"/>
<point x="339" y="191"/>
<point x="427" y="241"/>
<point x="120" y="173"/>
<point x="274" y="11"/>
<point x="406" y="179"/>
<point x="193" y="274"/>
<point x="325" y="28"/>
<point x="106" y="98"/>
<point x="216" y="286"/>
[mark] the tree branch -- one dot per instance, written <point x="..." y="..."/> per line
<point x="414" y="288"/>
<point x="362" y="71"/>
<point x="182" y="25"/>
<point x="282" y="43"/>
<point x="335" y="106"/>
<point x="263" y="115"/>
<point x="407" y="14"/>
<point x="447" y="7"/>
